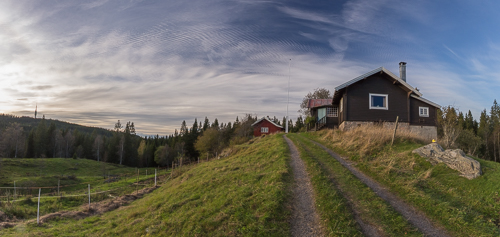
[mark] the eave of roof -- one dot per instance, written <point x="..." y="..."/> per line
<point x="314" y="103"/>
<point x="426" y="101"/>
<point x="370" y="73"/>
<point x="258" y="121"/>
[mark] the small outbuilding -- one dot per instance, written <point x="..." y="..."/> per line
<point x="265" y="126"/>
<point x="325" y="113"/>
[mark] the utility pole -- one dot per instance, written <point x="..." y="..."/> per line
<point x="288" y="99"/>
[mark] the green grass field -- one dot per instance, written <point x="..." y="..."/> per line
<point x="73" y="177"/>
<point x="244" y="194"/>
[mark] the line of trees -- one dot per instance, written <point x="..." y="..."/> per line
<point x="48" y="141"/>
<point x="461" y="130"/>
<point x="123" y="146"/>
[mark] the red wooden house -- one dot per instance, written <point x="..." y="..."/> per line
<point x="265" y="126"/>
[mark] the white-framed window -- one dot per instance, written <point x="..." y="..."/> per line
<point x="423" y="111"/>
<point x="379" y="101"/>
<point x="264" y="130"/>
<point x="332" y="112"/>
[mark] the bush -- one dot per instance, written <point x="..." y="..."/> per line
<point x="27" y="201"/>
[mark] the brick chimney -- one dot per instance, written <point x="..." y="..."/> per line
<point x="402" y="71"/>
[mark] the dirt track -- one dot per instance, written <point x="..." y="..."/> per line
<point x="411" y="214"/>
<point x="305" y="220"/>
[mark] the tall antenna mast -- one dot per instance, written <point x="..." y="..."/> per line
<point x="288" y="99"/>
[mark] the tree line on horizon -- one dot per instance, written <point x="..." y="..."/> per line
<point x="123" y="146"/>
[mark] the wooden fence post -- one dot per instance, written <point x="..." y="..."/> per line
<point x="89" y="197"/>
<point x="38" y="209"/>
<point x="395" y="128"/>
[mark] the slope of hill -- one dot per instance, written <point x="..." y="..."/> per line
<point x="463" y="207"/>
<point x="248" y="193"/>
<point x="243" y="194"/>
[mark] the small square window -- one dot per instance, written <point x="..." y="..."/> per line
<point x="264" y="129"/>
<point x="378" y="101"/>
<point x="423" y="111"/>
<point x="332" y="112"/>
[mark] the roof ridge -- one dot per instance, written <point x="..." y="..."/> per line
<point x="258" y="121"/>
<point x="372" y="72"/>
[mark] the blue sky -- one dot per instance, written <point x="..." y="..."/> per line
<point x="157" y="63"/>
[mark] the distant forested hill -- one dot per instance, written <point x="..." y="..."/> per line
<point x="28" y="123"/>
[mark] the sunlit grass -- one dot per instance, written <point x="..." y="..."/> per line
<point x="244" y="194"/>
<point x="464" y="207"/>
<point x="339" y="193"/>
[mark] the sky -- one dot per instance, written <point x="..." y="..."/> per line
<point x="157" y="63"/>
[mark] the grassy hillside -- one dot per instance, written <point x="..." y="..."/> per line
<point x="243" y="194"/>
<point x="464" y="207"/>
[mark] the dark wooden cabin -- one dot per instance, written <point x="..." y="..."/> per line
<point x="265" y="126"/>
<point x="379" y="97"/>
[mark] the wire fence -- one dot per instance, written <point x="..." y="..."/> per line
<point x="16" y="192"/>
<point x="95" y="190"/>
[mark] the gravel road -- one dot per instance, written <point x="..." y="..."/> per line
<point x="305" y="220"/>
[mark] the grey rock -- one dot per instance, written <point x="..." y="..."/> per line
<point x="453" y="158"/>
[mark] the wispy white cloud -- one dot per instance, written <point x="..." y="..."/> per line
<point x="160" y="63"/>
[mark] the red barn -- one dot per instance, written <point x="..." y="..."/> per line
<point x="265" y="126"/>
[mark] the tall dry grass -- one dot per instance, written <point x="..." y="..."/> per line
<point x="369" y="139"/>
<point x="370" y="143"/>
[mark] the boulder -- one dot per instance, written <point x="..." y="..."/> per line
<point x="453" y="158"/>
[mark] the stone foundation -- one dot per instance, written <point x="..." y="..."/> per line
<point x="427" y="132"/>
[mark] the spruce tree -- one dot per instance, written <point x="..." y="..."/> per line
<point x="41" y="139"/>
<point x="215" y="124"/>
<point x="206" y="124"/>
<point x="30" y="145"/>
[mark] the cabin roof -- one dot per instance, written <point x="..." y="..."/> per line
<point x="264" y="118"/>
<point x="313" y="103"/>
<point x="426" y="101"/>
<point x="339" y="89"/>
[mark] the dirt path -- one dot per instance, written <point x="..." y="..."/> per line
<point x="367" y="229"/>
<point x="305" y="220"/>
<point x="413" y="216"/>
